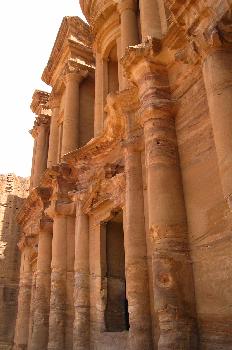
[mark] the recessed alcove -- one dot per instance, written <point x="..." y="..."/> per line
<point x="113" y="265"/>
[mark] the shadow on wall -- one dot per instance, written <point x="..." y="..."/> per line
<point x="9" y="263"/>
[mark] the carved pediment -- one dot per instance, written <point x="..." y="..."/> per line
<point x="102" y="191"/>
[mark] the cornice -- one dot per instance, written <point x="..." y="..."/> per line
<point x="73" y="40"/>
<point x="97" y="12"/>
<point x="39" y="101"/>
<point x="33" y="205"/>
<point x="204" y="25"/>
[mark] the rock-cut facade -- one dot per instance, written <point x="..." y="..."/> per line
<point x="126" y="231"/>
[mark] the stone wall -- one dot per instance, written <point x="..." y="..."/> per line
<point x="13" y="190"/>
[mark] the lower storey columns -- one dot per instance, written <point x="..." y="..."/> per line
<point x="24" y="298"/>
<point x="173" y="287"/>
<point x="69" y="315"/>
<point x="135" y="255"/>
<point x="39" y="338"/>
<point x="172" y="269"/>
<point x="81" y="290"/>
<point x="61" y="318"/>
<point x="58" y="285"/>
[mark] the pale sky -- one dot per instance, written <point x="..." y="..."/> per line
<point x="28" y="30"/>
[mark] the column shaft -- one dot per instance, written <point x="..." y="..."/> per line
<point x="33" y="165"/>
<point x="24" y="298"/>
<point x="70" y="283"/>
<point x="135" y="255"/>
<point x="58" y="284"/>
<point x="39" y="338"/>
<point x="217" y="72"/>
<point x="53" y="139"/>
<point x="129" y="28"/>
<point x="129" y="24"/>
<point x="81" y="289"/>
<point x="172" y="269"/>
<point x="41" y="153"/>
<point x="70" y="139"/>
<point x="150" y="19"/>
<point x="101" y="90"/>
<point x="120" y="72"/>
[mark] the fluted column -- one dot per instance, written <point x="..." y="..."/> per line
<point x="41" y="134"/>
<point x="54" y="103"/>
<point x="217" y="72"/>
<point x="173" y="287"/>
<point x="70" y="139"/>
<point x="129" y="28"/>
<point x="24" y="298"/>
<point x="135" y="254"/>
<point x="39" y="338"/>
<point x="81" y="290"/>
<point x="150" y="19"/>
<point x="58" y="299"/>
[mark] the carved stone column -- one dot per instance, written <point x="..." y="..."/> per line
<point x="58" y="301"/>
<point x="129" y="27"/>
<point x="150" y="19"/>
<point x="39" y="338"/>
<point x="54" y="103"/>
<point x="24" y="298"/>
<point x="101" y="89"/>
<point x="136" y="265"/>
<point x="40" y="133"/>
<point x="135" y="254"/>
<point x="173" y="286"/>
<point x="70" y="139"/>
<point x="81" y="290"/>
<point x="217" y="73"/>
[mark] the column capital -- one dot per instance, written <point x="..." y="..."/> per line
<point x="124" y="5"/>
<point x="204" y="36"/>
<point x="145" y="55"/>
<point x="54" y="101"/>
<point x="74" y="73"/>
<point x="61" y="208"/>
<point x="145" y="68"/>
<point x="45" y="225"/>
<point x="41" y="120"/>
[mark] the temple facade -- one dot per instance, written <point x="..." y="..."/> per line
<point x="126" y="232"/>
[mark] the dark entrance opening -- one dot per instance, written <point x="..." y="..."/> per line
<point x="116" y="313"/>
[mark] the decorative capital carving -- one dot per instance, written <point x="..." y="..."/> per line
<point x="40" y="121"/>
<point x="54" y="100"/>
<point x="59" y="208"/>
<point x="74" y="71"/>
<point x="148" y="51"/>
<point x="46" y="224"/>
<point x="144" y="66"/>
